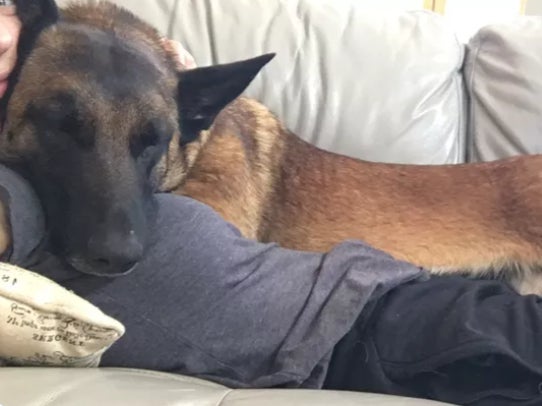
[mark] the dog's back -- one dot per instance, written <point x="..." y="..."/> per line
<point x="478" y="219"/>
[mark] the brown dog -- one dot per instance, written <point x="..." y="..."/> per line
<point x="99" y="118"/>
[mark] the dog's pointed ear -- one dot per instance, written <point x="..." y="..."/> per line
<point x="35" y="16"/>
<point x="204" y="92"/>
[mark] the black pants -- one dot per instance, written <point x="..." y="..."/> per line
<point x="466" y="342"/>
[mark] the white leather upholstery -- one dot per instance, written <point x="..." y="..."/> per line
<point x="503" y="72"/>
<point x="383" y="87"/>
<point x="112" y="387"/>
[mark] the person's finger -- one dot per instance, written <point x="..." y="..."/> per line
<point x="184" y="58"/>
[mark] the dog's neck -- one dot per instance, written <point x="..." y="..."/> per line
<point x="240" y="156"/>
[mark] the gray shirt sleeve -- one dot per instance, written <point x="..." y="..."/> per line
<point x="25" y="217"/>
<point x="207" y="302"/>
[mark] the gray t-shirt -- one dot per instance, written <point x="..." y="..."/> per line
<point x="208" y="303"/>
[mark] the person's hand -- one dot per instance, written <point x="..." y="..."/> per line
<point x="185" y="60"/>
<point x="5" y="229"/>
<point x="5" y="224"/>
<point x="10" y="28"/>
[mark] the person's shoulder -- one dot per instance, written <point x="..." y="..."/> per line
<point x="183" y="204"/>
<point x="184" y="213"/>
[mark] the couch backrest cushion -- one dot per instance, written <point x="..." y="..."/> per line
<point x="380" y="86"/>
<point x="503" y="71"/>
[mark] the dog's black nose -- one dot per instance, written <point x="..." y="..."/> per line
<point x="114" y="254"/>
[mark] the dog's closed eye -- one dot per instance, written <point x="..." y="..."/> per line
<point x="149" y="138"/>
<point x="154" y="135"/>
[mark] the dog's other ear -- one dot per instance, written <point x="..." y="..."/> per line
<point x="36" y="13"/>
<point x="35" y="16"/>
<point x="204" y="92"/>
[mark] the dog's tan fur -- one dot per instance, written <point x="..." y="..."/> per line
<point x="473" y="218"/>
<point x="476" y="218"/>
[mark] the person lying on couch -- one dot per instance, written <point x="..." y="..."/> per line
<point x="208" y="303"/>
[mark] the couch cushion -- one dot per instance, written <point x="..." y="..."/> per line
<point x="384" y="87"/>
<point x="502" y="71"/>
<point x="111" y="387"/>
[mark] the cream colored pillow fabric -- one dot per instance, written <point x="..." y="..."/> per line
<point x="43" y="324"/>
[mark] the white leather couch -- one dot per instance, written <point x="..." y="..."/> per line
<point x="384" y="87"/>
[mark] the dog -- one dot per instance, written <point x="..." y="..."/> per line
<point x="99" y="118"/>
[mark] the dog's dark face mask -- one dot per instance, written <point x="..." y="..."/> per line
<point x="94" y="120"/>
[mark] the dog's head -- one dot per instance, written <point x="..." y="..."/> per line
<point x="95" y="116"/>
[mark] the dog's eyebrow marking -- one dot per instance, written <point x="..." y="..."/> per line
<point x="59" y="113"/>
<point x="161" y="128"/>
